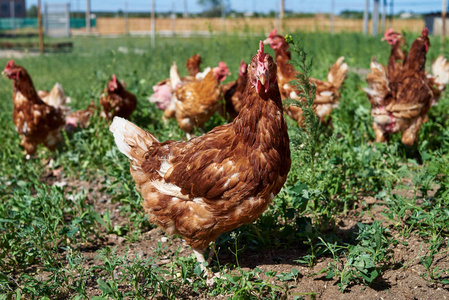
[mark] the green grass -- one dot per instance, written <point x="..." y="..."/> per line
<point x="45" y="230"/>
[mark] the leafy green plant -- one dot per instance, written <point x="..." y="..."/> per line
<point x="364" y="261"/>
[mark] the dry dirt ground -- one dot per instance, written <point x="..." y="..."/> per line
<point x="402" y="282"/>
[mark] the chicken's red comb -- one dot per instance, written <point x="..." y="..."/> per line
<point x="10" y="64"/>
<point x="273" y="33"/>
<point x="260" y="54"/>
<point x="388" y="32"/>
<point x="425" y="32"/>
<point x="222" y="65"/>
<point x="114" y="78"/>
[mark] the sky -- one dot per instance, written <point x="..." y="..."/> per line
<point x="304" y="6"/>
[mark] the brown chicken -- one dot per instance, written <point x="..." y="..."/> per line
<point x="218" y="181"/>
<point x="233" y="92"/>
<point x="401" y="105"/>
<point x="327" y="94"/>
<point x="117" y="101"/>
<point x="80" y="118"/>
<point x="439" y="77"/>
<point x="36" y="122"/>
<point x="197" y="101"/>
<point x="163" y="90"/>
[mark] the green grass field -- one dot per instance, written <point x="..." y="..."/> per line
<point x="365" y="214"/>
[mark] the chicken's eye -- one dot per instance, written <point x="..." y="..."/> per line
<point x="253" y="66"/>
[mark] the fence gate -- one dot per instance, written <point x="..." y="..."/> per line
<point x="56" y="21"/>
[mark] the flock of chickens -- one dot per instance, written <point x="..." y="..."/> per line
<point x="39" y="116"/>
<point x="222" y="179"/>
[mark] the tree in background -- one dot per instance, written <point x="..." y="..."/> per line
<point x="213" y="7"/>
<point x="32" y="12"/>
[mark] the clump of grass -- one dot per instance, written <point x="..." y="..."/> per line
<point x="364" y="261"/>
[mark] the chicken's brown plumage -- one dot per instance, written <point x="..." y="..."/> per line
<point x="193" y="65"/>
<point x="117" y="101"/>
<point x="327" y="95"/>
<point x="197" y="101"/>
<point x="36" y="122"/>
<point x="218" y="181"/>
<point x="233" y="92"/>
<point x="401" y="105"/>
<point x="163" y="90"/>
<point x="80" y="118"/>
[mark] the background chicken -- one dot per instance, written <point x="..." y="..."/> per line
<point x="218" y="181"/>
<point x="36" y="122"/>
<point x="438" y="78"/>
<point x="401" y="105"/>
<point x="117" y="101"/>
<point x="327" y="94"/>
<point x="233" y="92"/>
<point x="197" y="101"/>
<point x="80" y="118"/>
<point x="163" y="90"/>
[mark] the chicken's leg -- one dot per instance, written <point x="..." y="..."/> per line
<point x="199" y="253"/>
<point x="381" y="137"/>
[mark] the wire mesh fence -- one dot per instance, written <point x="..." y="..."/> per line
<point x="56" y="19"/>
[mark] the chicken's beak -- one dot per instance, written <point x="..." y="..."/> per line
<point x="263" y="79"/>
<point x="267" y="41"/>
<point x="383" y="39"/>
<point x="263" y="82"/>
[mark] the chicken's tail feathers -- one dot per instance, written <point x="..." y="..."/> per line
<point x="337" y="72"/>
<point x="440" y="70"/>
<point x="131" y="140"/>
<point x="57" y="96"/>
<point x="377" y="80"/>
<point x="175" y="79"/>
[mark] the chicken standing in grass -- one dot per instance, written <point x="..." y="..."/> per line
<point x="327" y="95"/>
<point x="197" y="101"/>
<point x="80" y="118"/>
<point x="36" y="122"/>
<point x="218" y="181"/>
<point x="402" y="104"/>
<point x="117" y="101"/>
<point x="438" y="78"/>
<point x="163" y="90"/>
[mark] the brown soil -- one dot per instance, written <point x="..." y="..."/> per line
<point x="402" y="282"/>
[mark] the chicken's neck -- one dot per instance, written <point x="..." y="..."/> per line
<point x="25" y="86"/>
<point x="283" y="52"/>
<point x="261" y="115"/>
<point x="285" y="69"/>
<point x="416" y="59"/>
<point x="193" y="70"/>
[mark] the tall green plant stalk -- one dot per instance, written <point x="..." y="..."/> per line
<point x="309" y="134"/>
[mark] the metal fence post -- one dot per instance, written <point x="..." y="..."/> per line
<point x="67" y="14"/>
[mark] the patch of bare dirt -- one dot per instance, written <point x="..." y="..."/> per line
<point x="402" y="280"/>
